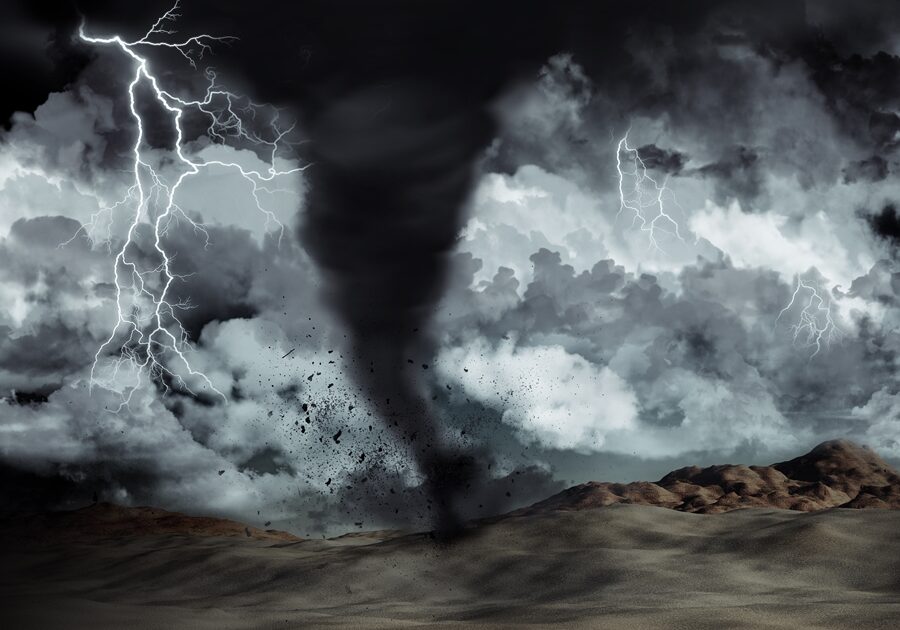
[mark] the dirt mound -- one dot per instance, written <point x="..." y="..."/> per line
<point x="108" y="520"/>
<point x="841" y="465"/>
<point x="837" y="473"/>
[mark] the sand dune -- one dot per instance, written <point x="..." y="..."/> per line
<point x="623" y="566"/>
<point x="107" y="520"/>
<point x="560" y="563"/>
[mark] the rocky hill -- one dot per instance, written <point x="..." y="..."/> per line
<point x="837" y="473"/>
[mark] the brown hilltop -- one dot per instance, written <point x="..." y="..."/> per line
<point x="842" y="465"/>
<point x="837" y="473"/>
<point x="108" y="520"/>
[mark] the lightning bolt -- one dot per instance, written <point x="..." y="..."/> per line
<point x="148" y="338"/>
<point x="815" y="326"/>
<point x="644" y="197"/>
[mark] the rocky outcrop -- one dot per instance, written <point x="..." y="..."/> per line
<point x="837" y="473"/>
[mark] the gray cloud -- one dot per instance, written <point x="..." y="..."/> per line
<point x="566" y="345"/>
<point x="712" y="353"/>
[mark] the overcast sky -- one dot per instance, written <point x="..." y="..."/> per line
<point x="573" y="342"/>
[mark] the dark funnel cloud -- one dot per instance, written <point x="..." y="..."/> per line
<point x="383" y="214"/>
<point x="396" y="123"/>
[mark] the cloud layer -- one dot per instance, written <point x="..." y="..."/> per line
<point x="563" y="333"/>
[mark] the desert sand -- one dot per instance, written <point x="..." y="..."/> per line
<point x="622" y="566"/>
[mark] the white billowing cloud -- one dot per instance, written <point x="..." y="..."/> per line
<point x="53" y="164"/>
<point x="30" y="193"/>
<point x="516" y="215"/>
<point x="711" y="414"/>
<point x="78" y="429"/>
<point x="244" y="358"/>
<point x="882" y="413"/>
<point x="513" y="216"/>
<point x="68" y="131"/>
<point x="559" y="400"/>
<point x="770" y="240"/>
<point x="222" y="196"/>
<point x="79" y="425"/>
<point x="550" y="396"/>
<point x="180" y="445"/>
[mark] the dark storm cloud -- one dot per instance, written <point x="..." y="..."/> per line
<point x="84" y="132"/>
<point x="224" y="270"/>
<point x="737" y="175"/>
<point x="872" y="169"/>
<point x="37" y="53"/>
<point x="64" y="285"/>
<point x="881" y="284"/>
<point x="654" y="58"/>
<point x="47" y="352"/>
<point x="55" y="287"/>
<point x="886" y="224"/>
<point x="862" y="91"/>
<point x="654" y="157"/>
<point x="737" y="87"/>
<point x="852" y="27"/>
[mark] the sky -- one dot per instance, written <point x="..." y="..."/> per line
<point x="678" y="245"/>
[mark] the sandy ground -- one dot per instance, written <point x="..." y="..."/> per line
<point x="619" y="567"/>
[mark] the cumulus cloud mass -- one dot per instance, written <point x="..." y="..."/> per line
<point x="759" y="318"/>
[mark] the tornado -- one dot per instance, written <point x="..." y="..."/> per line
<point x="393" y="166"/>
<point x="398" y="111"/>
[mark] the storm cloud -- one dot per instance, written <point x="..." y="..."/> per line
<point x="554" y="338"/>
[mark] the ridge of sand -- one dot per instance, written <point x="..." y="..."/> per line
<point x="623" y="567"/>
<point x="110" y="520"/>
<point x="837" y="473"/>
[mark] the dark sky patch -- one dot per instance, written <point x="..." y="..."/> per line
<point x="886" y="224"/>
